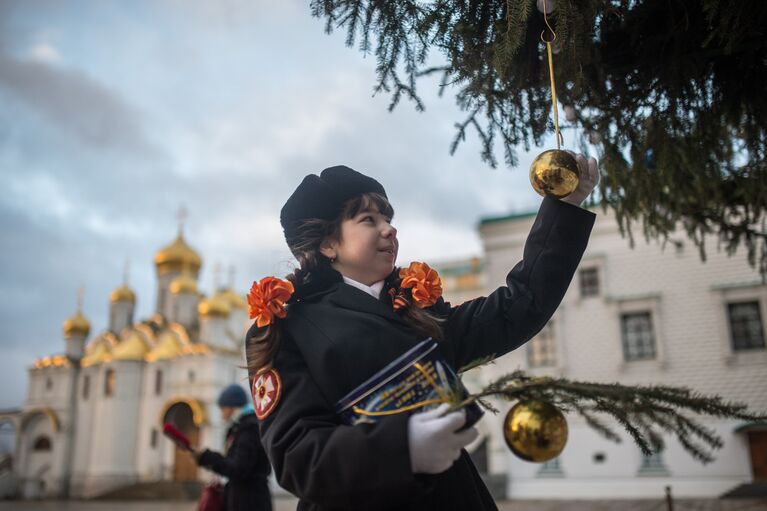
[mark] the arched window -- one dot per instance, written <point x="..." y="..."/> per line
<point x="42" y="443"/>
<point x="86" y="386"/>
<point x="109" y="382"/>
<point x="158" y="382"/>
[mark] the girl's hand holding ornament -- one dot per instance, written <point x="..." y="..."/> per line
<point x="589" y="178"/>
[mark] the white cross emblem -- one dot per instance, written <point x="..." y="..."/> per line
<point x="267" y="388"/>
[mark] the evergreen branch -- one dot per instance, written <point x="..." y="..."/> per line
<point x="477" y="363"/>
<point x="638" y="409"/>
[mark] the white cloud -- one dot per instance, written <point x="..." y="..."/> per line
<point x="41" y="195"/>
<point x="77" y="103"/>
<point x="45" y="53"/>
<point x="424" y="239"/>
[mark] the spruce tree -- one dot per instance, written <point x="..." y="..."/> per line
<point x="671" y="93"/>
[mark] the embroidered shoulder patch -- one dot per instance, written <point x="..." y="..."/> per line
<point x="267" y="388"/>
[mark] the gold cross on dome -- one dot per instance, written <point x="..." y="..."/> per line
<point x="231" y="276"/>
<point x="126" y="272"/>
<point x="182" y="216"/>
<point x="80" y="297"/>
<point x="217" y="276"/>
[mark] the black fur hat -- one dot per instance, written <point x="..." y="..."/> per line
<point x="323" y="197"/>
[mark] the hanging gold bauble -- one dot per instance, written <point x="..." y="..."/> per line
<point x="535" y="431"/>
<point x="555" y="173"/>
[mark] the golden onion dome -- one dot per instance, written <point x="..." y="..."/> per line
<point x="168" y="347"/>
<point x="133" y="347"/>
<point x="122" y="294"/>
<point x="177" y="256"/>
<point x="97" y="353"/>
<point x="183" y="284"/>
<point x="77" y="326"/>
<point x="214" y="306"/>
<point x="235" y="301"/>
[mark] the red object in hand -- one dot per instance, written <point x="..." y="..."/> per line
<point x="177" y="436"/>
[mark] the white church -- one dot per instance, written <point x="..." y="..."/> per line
<point x="93" y="418"/>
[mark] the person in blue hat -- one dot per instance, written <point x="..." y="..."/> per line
<point x="244" y="464"/>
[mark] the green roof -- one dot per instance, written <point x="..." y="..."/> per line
<point x="464" y="269"/>
<point x="505" y="218"/>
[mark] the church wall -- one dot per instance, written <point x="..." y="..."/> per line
<point x="200" y="377"/>
<point x="113" y="451"/>
<point x="150" y="463"/>
<point x="184" y="310"/>
<point x="39" y="470"/>
<point x="35" y="386"/>
<point x="196" y="376"/>
<point x="86" y="425"/>
<point x="48" y="387"/>
<point x="203" y="377"/>
<point x="687" y="300"/>
<point x="238" y="325"/>
<point x="49" y="390"/>
<point x="163" y="292"/>
<point x="120" y="316"/>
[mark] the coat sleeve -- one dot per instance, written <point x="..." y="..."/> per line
<point x="242" y="459"/>
<point x="514" y="313"/>
<point x="328" y="463"/>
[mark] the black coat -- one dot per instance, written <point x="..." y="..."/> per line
<point x="337" y="337"/>
<point x="245" y="465"/>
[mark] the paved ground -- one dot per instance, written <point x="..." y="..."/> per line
<point x="634" y="505"/>
<point x="285" y="504"/>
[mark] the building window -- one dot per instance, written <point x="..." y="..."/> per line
<point x="48" y="383"/>
<point x="191" y="376"/>
<point x="652" y="464"/>
<point x="42" y="443"/>
<point x="153" y="438"/>
<point x="541" y="351"/>
<point x="158" y="382"/>
<point x="588" y="279"/>
<point x="638" y="337"/>
<point x="109" y="382"/>
<point x="551" y="468"/>
<point x="86" y="386"/>
<point x="745" y="325"/>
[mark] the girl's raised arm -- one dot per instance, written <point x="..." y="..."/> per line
<point x="513" y="314"/>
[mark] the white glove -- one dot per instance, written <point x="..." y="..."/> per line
<point x="589" y="179"/>
<point x="433" y="440"/>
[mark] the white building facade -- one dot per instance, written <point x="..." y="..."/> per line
<point x="93" y="418"/>
<point x="647" y="315"/>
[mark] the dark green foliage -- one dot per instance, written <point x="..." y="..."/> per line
<point x="674" y="88"/>
<point x="642" y="410"/>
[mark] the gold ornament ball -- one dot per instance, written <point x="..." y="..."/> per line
<point x="554" y="173"/>
<point x="535" y="431"/>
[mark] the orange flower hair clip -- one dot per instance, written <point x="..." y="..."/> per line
<point x="267" y="299"/>
<point x="424" y="283"/>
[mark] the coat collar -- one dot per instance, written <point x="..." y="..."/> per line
<point x="349" y="297"/>
<point x="327" y="284"/>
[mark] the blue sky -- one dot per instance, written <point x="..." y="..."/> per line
<point x="115" y="114"/>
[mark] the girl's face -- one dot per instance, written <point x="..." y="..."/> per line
<point x="366" y="250"/>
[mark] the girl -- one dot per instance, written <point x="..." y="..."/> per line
<point x="340" y="327"/>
